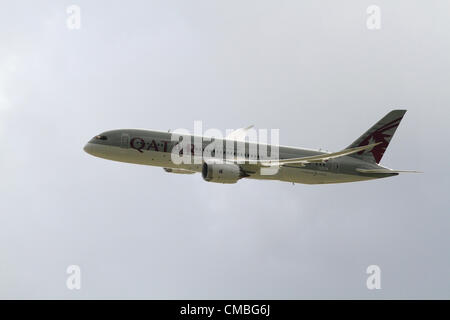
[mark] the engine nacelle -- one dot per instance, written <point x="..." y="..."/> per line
<point x="178" y="170"/>
<point x="222" y="172"/>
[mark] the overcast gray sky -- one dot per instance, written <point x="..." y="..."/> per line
<point x="310" y="68"/>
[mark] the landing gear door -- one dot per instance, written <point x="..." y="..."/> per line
<point x="125" y="141"/>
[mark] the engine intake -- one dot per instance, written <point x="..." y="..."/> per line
<point x="222" y="172"/>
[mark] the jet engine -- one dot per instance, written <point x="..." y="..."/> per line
<point x="222" y="172"/>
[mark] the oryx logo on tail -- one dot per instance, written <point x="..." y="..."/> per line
<point x="381" y="133"/>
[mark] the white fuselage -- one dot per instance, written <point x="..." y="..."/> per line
<point x="154" y="148"/>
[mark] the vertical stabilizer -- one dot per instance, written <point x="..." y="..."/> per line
<point x="382" y="131"/>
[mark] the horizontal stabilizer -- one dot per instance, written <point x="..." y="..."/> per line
<point x="385" y="171"/>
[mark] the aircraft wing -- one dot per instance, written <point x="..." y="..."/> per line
<point x="318" y="158"/>
<point x="238" y="134"/>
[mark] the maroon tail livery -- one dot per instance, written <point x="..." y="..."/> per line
<point x="381" y="132"/>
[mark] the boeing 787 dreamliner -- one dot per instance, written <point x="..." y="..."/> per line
<point x="232" y="158"/>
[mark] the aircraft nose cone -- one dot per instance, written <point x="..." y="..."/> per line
<point x="88" y="148"/>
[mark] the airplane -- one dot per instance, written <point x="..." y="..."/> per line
<point x="358" y="162"/>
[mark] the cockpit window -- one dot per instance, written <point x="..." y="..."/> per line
<point x="101" y="137"/>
